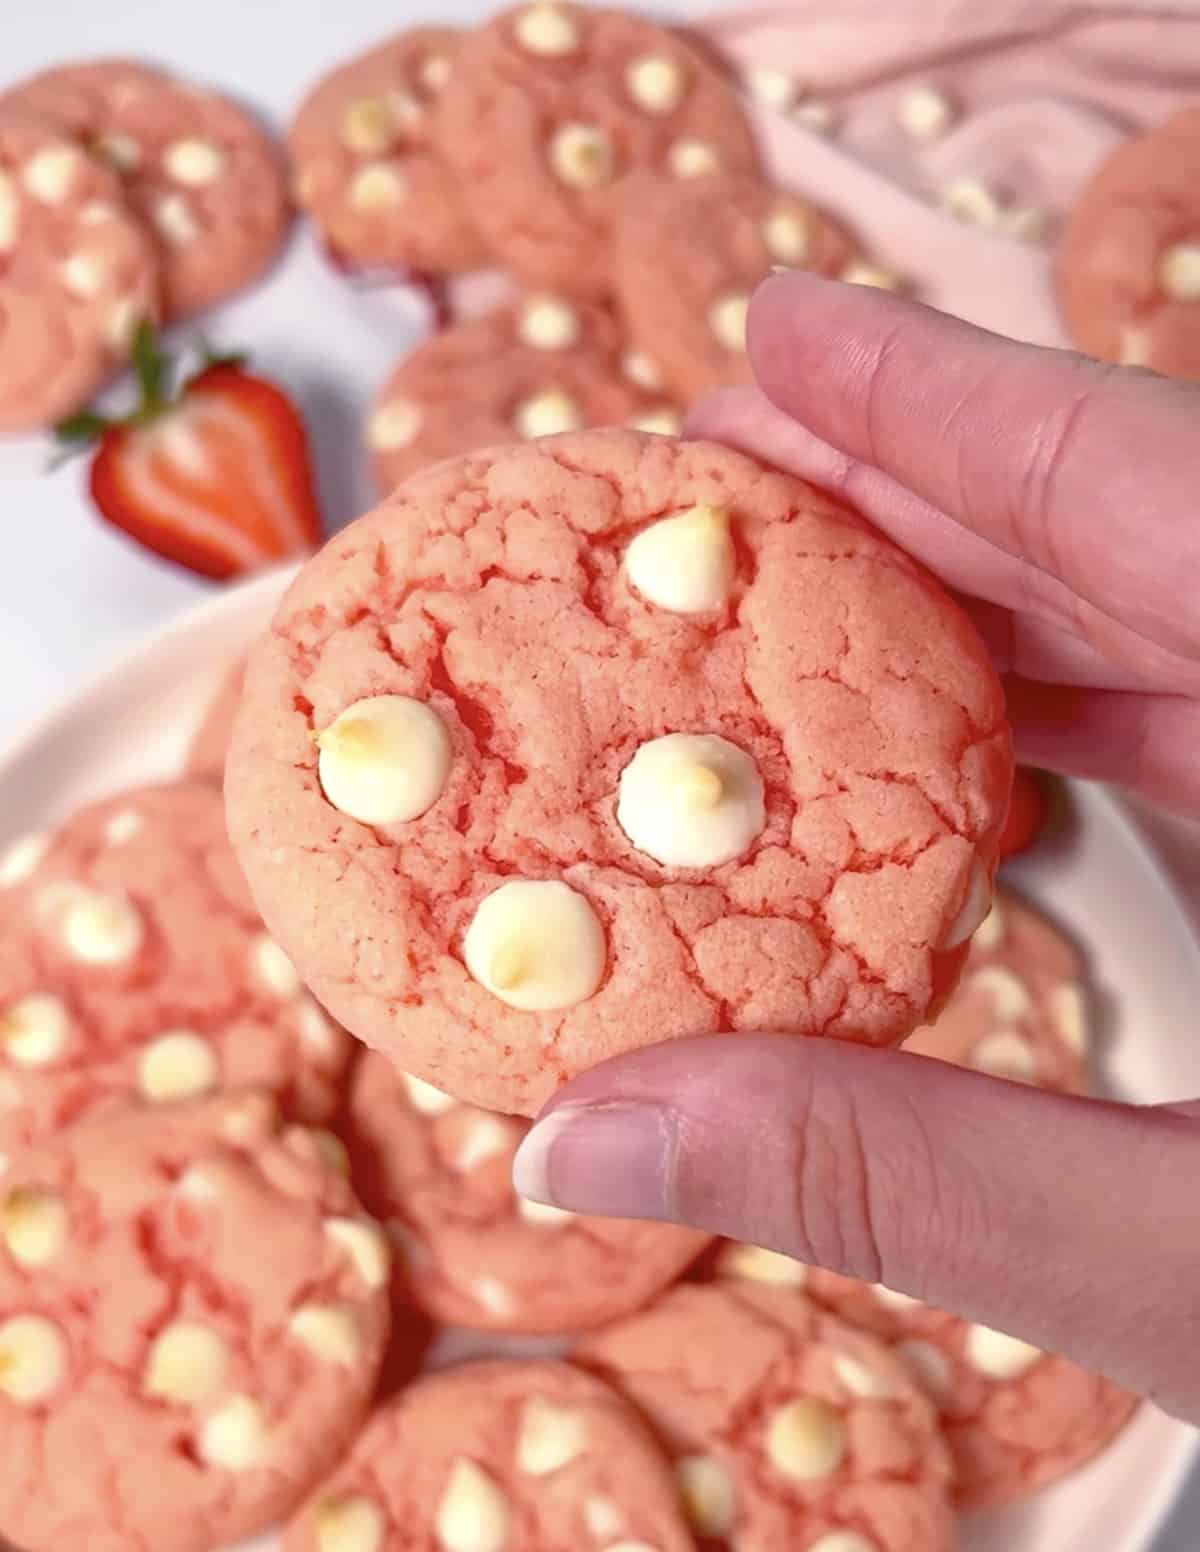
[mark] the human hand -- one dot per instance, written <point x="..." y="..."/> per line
<point x="1058" y="498"/>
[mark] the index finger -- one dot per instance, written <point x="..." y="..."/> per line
<point x="1087" y="471"/>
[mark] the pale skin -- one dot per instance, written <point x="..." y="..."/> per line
<point x="1058" y="499"/>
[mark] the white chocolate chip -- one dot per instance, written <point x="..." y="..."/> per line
<point x="547" y="323"/>
<point x="252" y="1119"/>
<point x="178" y="1065"/>
<point x="727" y="319"/>
<point x="536" y="945"/>
<point x="1179" y="271"/>
<point x="434" y="73"/>
<point x="33" y="1359"/>
<point x="1069" y="1013"/>
<point x="929" y="1366"/>
<point x="664" y="421"/>
<point x="49" y="173"/>
<point x="692" y="159"/>
<point x="34" y="1029"/>
<point x="709" y="1496"/>
<point x="193" y="162"/>
<point x="786" y="233"/>
<point x="122" y="827"/>
<point x="1135" y="347"/>
<point x="547" y="29"/>
<point x="102" y="929"/>
<point x="764" y="1266"/>
<point x="973" y="912"/>
<point x="121" y="323"/>
<point x="814" y="114"/>
<point x="318" y="1032"/>
<point x="641" y="369"/>
<point x="655" y="83"/>
<point x="21" y="859"/>
<point x="773" y="88"/>
<point x="485" y="1137"/>
<point x="272" y="968"/>
<point x="923" y="112"/>
<point x="492" y="1295"/>
<point x="860" y="1380"/>
<point x="691" y="800"/>
<point x="805" y="1439"/>
<point x="859" y="273"/>
<point x="10" y="213"/>
<point x="324" y="1145"/>
<point x="196" y="1185"/>
<point x="548" y="413"/>
<point x="385" y="759"/>
<point x="424" y="1097"/>
<point x="631" y="1546"/>
<point x="187" y="1364"/>
<point x="1009" y="998"/>
<point x="235" y="1436"/>
<point x="844" y="1541"/>
<point x="368" y="126"/>
<point x="119" y="151"/>
<point x="890" y="1298"/>
<point x="1005" y="1054"/>
<point x="550" y="1437"/>
<point x="377" y="186"/>
<point x="329" y="1331"/>
<point x="998" y="1356"/>
<point x="542" y="1214"/>
<point x="473" y="1514"/>
<point x="394" y="424"/>
<point x="685" y="563"/>
<point x="174" y="219"/>
<point x="971" y="201"/>
<point x="603" y="1519"/>
<point x="990" y="932"/>
<point x="363" y="1241"/>
<point x="82" y="274"/>
<point x="581" y="155"/>
<point x="34" y="1224"/>
<point x="349" y="1525"/>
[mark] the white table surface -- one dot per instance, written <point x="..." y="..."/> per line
<point x="73" y="592"/>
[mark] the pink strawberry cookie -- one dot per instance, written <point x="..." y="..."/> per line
<point x="440" y="1174"/>
<point x="787" y="1428"/>
<point x="134" y="970"/>
<point x="77" y="273"/>
<point x="210" y="742"/>
<point x="1016" y="1418"/>
<point x="576" y="746"/>
<point x="198" y="168"/>
<point x="503" y="1456"/>
<point x="193" y="1310"/>
<point x="364" y="164"/>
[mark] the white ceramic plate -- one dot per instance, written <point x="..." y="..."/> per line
<point x="1100" y="880"/>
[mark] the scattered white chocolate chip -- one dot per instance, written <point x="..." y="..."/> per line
<point x="971" y="201"/>
<point x="101" y="929"/>
<point x="1069" y="1013"/>
<point x="550" y="1437"/>
<point x="844" y="1541"/>
<point x="10" y="213"/>
<point x="424" y="1097"/>
<point x="890" y="1298"/>
<point x="548" y="323"/>
<point x="434" y="72"/>
<point x="318" y="1032"/>
<point x="631" y="1546"/>
<point x="655" y="83"/>
<point x="122" y="827"/>
<point x="49" y="173"/>
<point x="20" y="860"/>
<point x="990" y="932"/>
<point x="119" y="326"/>
<point x="860" y="1380"/>
<point x="186" y="1364"/>
<point x="977" y="902"/>
<point x="603" y="1519"/>
<point x="998" y="1356"/>
<point x="327" y="1146"/>
<point x="193" y="162"/>
<point x="727" y="319"/>
<point x="685" y="563"/>
<point x="691" y="800"/>
<point x="33" y="1359"/>
<point x="582" y="155"/>
<point x="542" y="1214"/>
<point x="363" y="1241"/>
<point x="377" y="186"/>
<point x="773" y="88"/>
<point x="764" y="1266"/>
<point x="928" y="1364"/>
<point x="642" y="369"/>
<point x="547" y="29"/>
<point x="859" y="273"/>
<point x="196" y="1185"/>
<point x="805" y="1439"/>
<point x="34" y="1029"/>
<point x="174" y="219"/>
<point x="923" y="112"/>
<point x="709" y="1496"/>
<point x="547" y="414"/>
<point x="692" y="159"/>
<point x="251" y="1119"/>
<point x="536" y="945"/>
<point x="1008" y="994"/>
<point x="1179" y="271"/>
<point x="34" y="1225"/>
<point x="394" y="424"/>
<point x="82" y="274"/>
<point x="367" y="127"/>
<point x="235" y="1436"/>
<point x="385" y="759"/>
<point x="485" y="1137"/>
<point x="349" y="1525"/>
<point x="473" y="1514"/>
<point x="1005" y="1054"/>
<point x="272" y="968"/>
<point x="178" y="1065"/>
<point x="817" y="115"/>
<point x="119" y="151"/>
<point x="492" y="1295"/>
<point x="664" y="421"/>
<point x="786" y="234"/>
<point x="329" y="1331"/>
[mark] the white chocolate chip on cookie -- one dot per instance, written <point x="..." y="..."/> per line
<point x="860" y="273"/>
<point x="536" y="945"/>
<point x="603" y="1519"/>
<point x="860" y="1380"/>
<point x="547" y="29"/>
<point x="82" y="274"/>
<point x="424" y="1097"/>
<point x="49" y="173"/>
<point x="655" y="83"/>
<point x="273" y="969"/>
<point x="187" y="1364"/>
<point x="998" y="1356"/>
<point x="727" y="319"/>
<point x="547" y="323"/>
<point x="708" y="1493"/>
<point x="20" y="860"/>
<point x="377" y="186"/>
<point x="492" y="1295"/>
<point x="174" y="219"/>
<point x="329" y="1331"/>
<point x="485" y="1137"/>
<point x="786" y="234"/>
<point x="193" y="162"/>
<point x="641" y="369"/>
<point x="691" y="800"/>
<point x="971" y="201"/>
<point x="178" y="1065"/>
<point x="34" y="1029"/>
<point x="434" y="73"/>
<point x="349" y="1525"/>
<point x="548" y="413"/>
<point x="1069" y="1013"/>
<point x="368" y="126"/>
<point x="34" y="1225"/>
<point x="473" y="1514"/>
<point x="1005" y="1054"/>
<point x="363" y="1242"/>
<point x="693" y="159"/>
<point x="1009" y="996"/>
<point x="102" y="929"/>
<point x="923" y="112"/>
<point x="122" y="827"/>
<point x="550" y="1437"/>
<point x="582" y="155"/>
<point x="805" y="1439"/>
<point x="773" y="88"/>
<point x="235" y="1436"/>
<point x="33" y="1359"/>
<point x="844" y="1541"/>
<point x="1179" y="271"/>
<point x="119" y="151"/>
<point x="385" y="759"/>
<point x="685" y="563"/>
<point x="664" y="421"/>
<point x="394" y="424"/>
<point x="763" y="1266"/>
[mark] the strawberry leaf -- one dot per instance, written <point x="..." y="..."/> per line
<point x="79" y="430"/>
<point x="150" y="366"/>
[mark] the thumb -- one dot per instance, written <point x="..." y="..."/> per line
<point x="1067" y="1222"/>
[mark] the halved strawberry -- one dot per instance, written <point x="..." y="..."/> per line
<point x="1026" y="814"/>
<point x="215" y="478"/>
